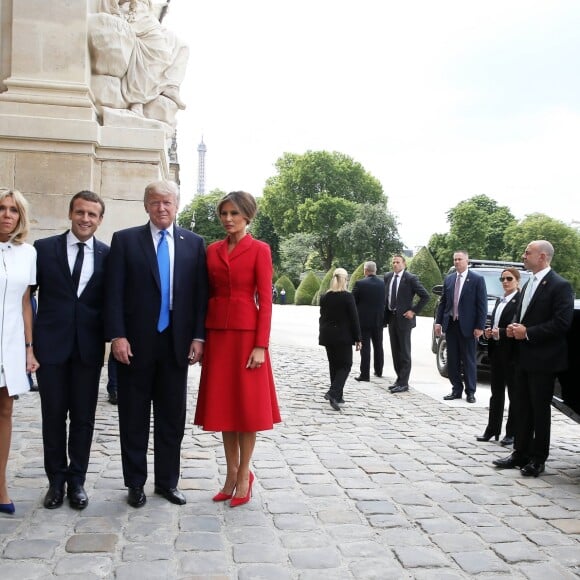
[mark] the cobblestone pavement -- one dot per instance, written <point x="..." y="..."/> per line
<point x="391" y="487"/>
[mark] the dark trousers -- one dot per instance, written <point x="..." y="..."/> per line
<point x="163" y="384"/>
<point x="372" y="335"/>
<point x="502" y="376"/>
<point x="68" y="390"/>
<point x="460" y="360"/>
<point x="533" y="395"/>
<point x="339" y="365"/>
<point x="400" y="339"/>
<point x="112" y="373"/>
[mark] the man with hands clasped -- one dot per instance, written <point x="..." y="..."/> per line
<point x="544" y="316"/>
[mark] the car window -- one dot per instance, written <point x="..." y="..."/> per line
<point x="493" y="284"/>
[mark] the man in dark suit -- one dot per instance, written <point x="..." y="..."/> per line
<point x="69" y="343"/>
<point x="544" y="316"/>
<point x="154" y="317"/>
<point x="401" y="287"/>
<point x="369" y="296"/>
<point x="461" y="315"/>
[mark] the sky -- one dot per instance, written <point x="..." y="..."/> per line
<point x="439" y="100"/>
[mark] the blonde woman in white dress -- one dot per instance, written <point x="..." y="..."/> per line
<point x="17" y="275"/>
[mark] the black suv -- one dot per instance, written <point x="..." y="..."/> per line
<point x="567" y="392"/>
<point x="490" y="270"/>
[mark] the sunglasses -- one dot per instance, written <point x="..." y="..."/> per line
<point x="508" y="278"/>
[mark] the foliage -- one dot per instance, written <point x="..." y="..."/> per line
<point x="310" y="176"/>
<point x="424" y="266"/>
<point x="200" y="216"/>
<point x="357" y="275"/>
<point x="477" y="225"/>
<point x="318" y="193"/>
<point x="307" y="289"/>
<point x="324" y="286"/>
<point x="323" y="218"/>
<point x="286" y="283"/>
<point x="295" y="252"/>
<point x="262" y="228"/>
<point x="372" y="235"/>
<point x="565" y="239"/>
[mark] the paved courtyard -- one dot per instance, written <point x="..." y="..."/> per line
<point x="391" y="487"/>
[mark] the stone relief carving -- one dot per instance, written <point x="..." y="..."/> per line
<point x="137" y="65"/>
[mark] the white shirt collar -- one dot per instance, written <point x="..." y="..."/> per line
<point x="72" y="240"/>
<point x="155" y="230"/>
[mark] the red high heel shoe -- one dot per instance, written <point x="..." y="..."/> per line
<point x="222" y="496"/>
<point x="236" y="501"/>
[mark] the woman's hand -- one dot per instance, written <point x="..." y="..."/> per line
<point x="31" y="362"/>
<point x="257" y="358"/>
<point x="358" y="345"/>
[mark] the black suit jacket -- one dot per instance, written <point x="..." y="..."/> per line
<point x="64" y="321"/>
<point x="504" y="347"/>
<point x="338" y="319"/>
<point x="409" y="287"/>
<point x="133" y="296"/>
<point x="547" y="320"/>
<point x="369" y="296"/>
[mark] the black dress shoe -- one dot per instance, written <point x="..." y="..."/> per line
<point x="507" y="441"/>
<point x="362" y="379"/>
<point x="172" y="494"/>
<point x="327" y="397"/>
<point x="379" y="375"/>
<point x="113" y="398"/>
<point x="510" y="462"/>
<point x="77" y="497"/>
<point x="136" y="497"/>
<point x="451" y="396"/>
<point x="470" y="398"/>
<point x="393" y="386"/>
<point x="333" y="403"/>
<point x="533" y="468"/>
<point x="54" y="497"/>
<point x="400" y="389"/>
<point x="487" y="436"/>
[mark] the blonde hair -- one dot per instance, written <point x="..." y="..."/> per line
<point x="339" y="280"/>
<point x="21" y="231"/>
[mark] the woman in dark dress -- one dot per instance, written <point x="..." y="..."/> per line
<point x="339" y="330"/>
<point x="501" y="356"/>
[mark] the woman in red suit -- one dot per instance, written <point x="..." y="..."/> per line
<point x="237" y="395"/>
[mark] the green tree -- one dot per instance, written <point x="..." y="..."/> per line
<point x="323" y="219"/>
<point x="565" y="239"/>
<point x="262" y="228"/>
<point x="476" y="225"/>
<point x="423" y="265"/>
<point x="295" y="252"/>
<point x="200" y="216"/>
<point x="357" y="275"/>
<point x="307" y="289"/>
<point x="310" y="176"/>
<point x="372" y="235"/>
<point x="324" y="286"/>
<point x="290" y="289"/>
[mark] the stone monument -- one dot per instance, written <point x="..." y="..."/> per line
<point x="89" y="90"/>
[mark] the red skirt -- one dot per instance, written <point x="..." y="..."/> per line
<point x="232" y="397"/>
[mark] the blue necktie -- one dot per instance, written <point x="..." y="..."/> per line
<point x="164" y="275"/>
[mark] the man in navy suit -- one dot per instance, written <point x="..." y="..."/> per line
<point x="461" y="315"/>
<point x="369" y="296"/>
<point x="157" y="293"/>
<point x="401" y="287"/>
<point x="544" y="315"/>
<point x="69" y="343"/>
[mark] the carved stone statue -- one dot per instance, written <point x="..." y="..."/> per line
<point x="137" y="64"/>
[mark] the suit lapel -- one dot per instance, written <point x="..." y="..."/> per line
<point x="149" y="251"/>
<point x="62" y="259"/>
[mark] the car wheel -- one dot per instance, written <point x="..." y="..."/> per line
<point x="442" y="358"/>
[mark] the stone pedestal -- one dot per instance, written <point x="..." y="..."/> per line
<point x="51" y="142"/>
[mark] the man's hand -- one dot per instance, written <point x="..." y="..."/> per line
<point x="409" y="314"/>
<point x="438" y="330"/>
<point x="195" y="352"/>
<point x="121" y="350"/>
<point x="517" y="331"/>
<point x="477" y="332"/>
